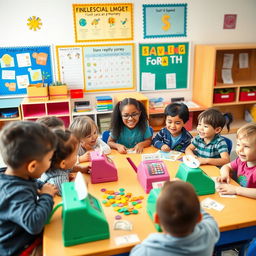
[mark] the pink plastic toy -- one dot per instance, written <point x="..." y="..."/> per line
<point x="103" y="169"/>
<point x="150" y="171"/>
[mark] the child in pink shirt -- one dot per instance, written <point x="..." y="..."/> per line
<point x="244" y="165"/>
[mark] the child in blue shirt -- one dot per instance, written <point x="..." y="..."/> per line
<point x="209" y="147"/>
<point x="27" y="149"/>
<point x="174" y="136"/>
<point x="129" y="127"/>
<point x="187" y="230"/>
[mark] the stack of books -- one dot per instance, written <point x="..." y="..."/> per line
<point x="82" y="106"/>
<point x="104" y="103"/>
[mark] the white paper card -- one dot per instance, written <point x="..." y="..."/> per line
<point x="128" y="239"/>
<point x="146" y="157"/>
<point x="148" y="81"/>
<point x="228" y="60"/>
<point x="171" y="81"/>
<point x="227" y="76"/>
<point x="80" y="186"/>
<point x="243" y="60"/>
<point x="212" y="204"/>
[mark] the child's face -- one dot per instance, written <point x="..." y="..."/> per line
<point x="206" y="131"/>
<point x="42" y="165"/>
<point x="90" y="140"/>
<point x="246" y="150"/>
<point x="70" y="161"/>
<point x="174" y="125"/>
<point x="130" y="116"/>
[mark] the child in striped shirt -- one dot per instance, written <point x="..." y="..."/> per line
<point x="209" y="147"/>
<point x="63" y="160"/>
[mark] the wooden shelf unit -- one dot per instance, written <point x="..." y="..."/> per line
<point x="208" y="63"/>
<point x="34" y="110"/>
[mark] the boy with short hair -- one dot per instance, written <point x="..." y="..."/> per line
<point x="209" y="147"/>
<point x="27" y="149"/>
<point x="174" y="136"/>
<point x="186" y="230"/>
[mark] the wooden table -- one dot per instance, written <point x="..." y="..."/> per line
<point x="236" y="221"/>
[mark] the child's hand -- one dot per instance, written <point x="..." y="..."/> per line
<point x="49" y="189"/>
<point x="227" y="189"/>
<point x="121" y="149"/>
<point x="223" y="178"/>
<point x="86" y="157"/>
<point x="138" y="148"/>
<point x="82" y="169"/>
<point x="165" y="148"/>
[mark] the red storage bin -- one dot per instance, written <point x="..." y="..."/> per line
<point x="223" y="97"/>
<point x="76" y="93"/>
<point x="247" y="96"/>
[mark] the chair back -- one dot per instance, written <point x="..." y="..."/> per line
<point x="105" y="136"/>
<point x="229" y="143"/>
<point x="251" y="251"/>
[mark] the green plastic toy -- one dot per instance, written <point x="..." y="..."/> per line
<point x="83" y="220"/>
<point x="202" y="183"/>
<point x="151" y="205"/>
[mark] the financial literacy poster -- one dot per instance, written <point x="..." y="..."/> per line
<point x="103" y="22"/>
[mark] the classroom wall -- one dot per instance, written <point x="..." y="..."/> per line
<point x="204" y="25"/>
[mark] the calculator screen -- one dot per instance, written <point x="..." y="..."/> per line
<point x="155" y="169"/>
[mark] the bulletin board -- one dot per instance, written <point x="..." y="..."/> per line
<point x="96" y="67"/>
<point x="163" y="66"/>
<point x="24" y="65"/>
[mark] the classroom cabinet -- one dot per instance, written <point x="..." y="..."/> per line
<point x="33" y="110"/>
<point x="212" y="89"/>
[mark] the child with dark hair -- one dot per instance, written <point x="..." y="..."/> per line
<point x="27" y="149"/>
<point x="53" y="122"/>
<point x="63" y="160"/>
<point x="174" y="135"/>
<point x="85" y="129"/>
<point x="129" y="127"/>
<point x="187" y="230"/>
<point x="209" y="147"/>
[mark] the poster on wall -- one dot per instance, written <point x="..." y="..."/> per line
<point x="96" y="67"/>
<point x="164" y="20"/>
<point x="21" y="66"/>
<point x="163" y="66"/>
<point x="102" y="22"/>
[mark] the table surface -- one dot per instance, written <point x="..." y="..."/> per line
<point x="238" y="212"/>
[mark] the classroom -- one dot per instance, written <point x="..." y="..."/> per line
<point x="77" y="59"/>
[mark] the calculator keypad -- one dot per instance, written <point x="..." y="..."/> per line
<point x="155" y="169"/>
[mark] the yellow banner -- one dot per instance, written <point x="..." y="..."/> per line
<point x="103" y="22"/>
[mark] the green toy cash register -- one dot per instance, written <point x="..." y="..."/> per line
<point x="83" y="219"/>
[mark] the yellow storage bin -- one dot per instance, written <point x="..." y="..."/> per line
<point x="36" y="92"/>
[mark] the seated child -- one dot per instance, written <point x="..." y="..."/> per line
<point x="129" y="127"/>
<point x="85" y="129"/>
<point x="53" y="122"/>
<point x="209" y="147"/>
<point x="174" y="136"/>
<point x="63" y="160"/>
<point x="186" y="230"/>
<point x="27" y="149"/>
<point x="244" y="165"/>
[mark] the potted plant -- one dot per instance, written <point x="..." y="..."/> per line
<point x="37" y="92"/>
<point x="58" y="90"/>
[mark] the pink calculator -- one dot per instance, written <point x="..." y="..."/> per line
<point x="150" y="171"/>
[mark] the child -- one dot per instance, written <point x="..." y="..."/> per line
<point x="186" y="230"/>
<point x="63" y="160"/>
<point x="85" y="129"/>
<point x="27" y="149"/>
<point x="129" y="127"/>
<point x="244" y="165"/>
<point x="174" y="136"/>
<point x="208" y="146"/>
<point x="53" y="122"/>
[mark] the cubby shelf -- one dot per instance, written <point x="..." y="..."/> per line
<point x="208" y="77"/>
<point x="34" y="110"/>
